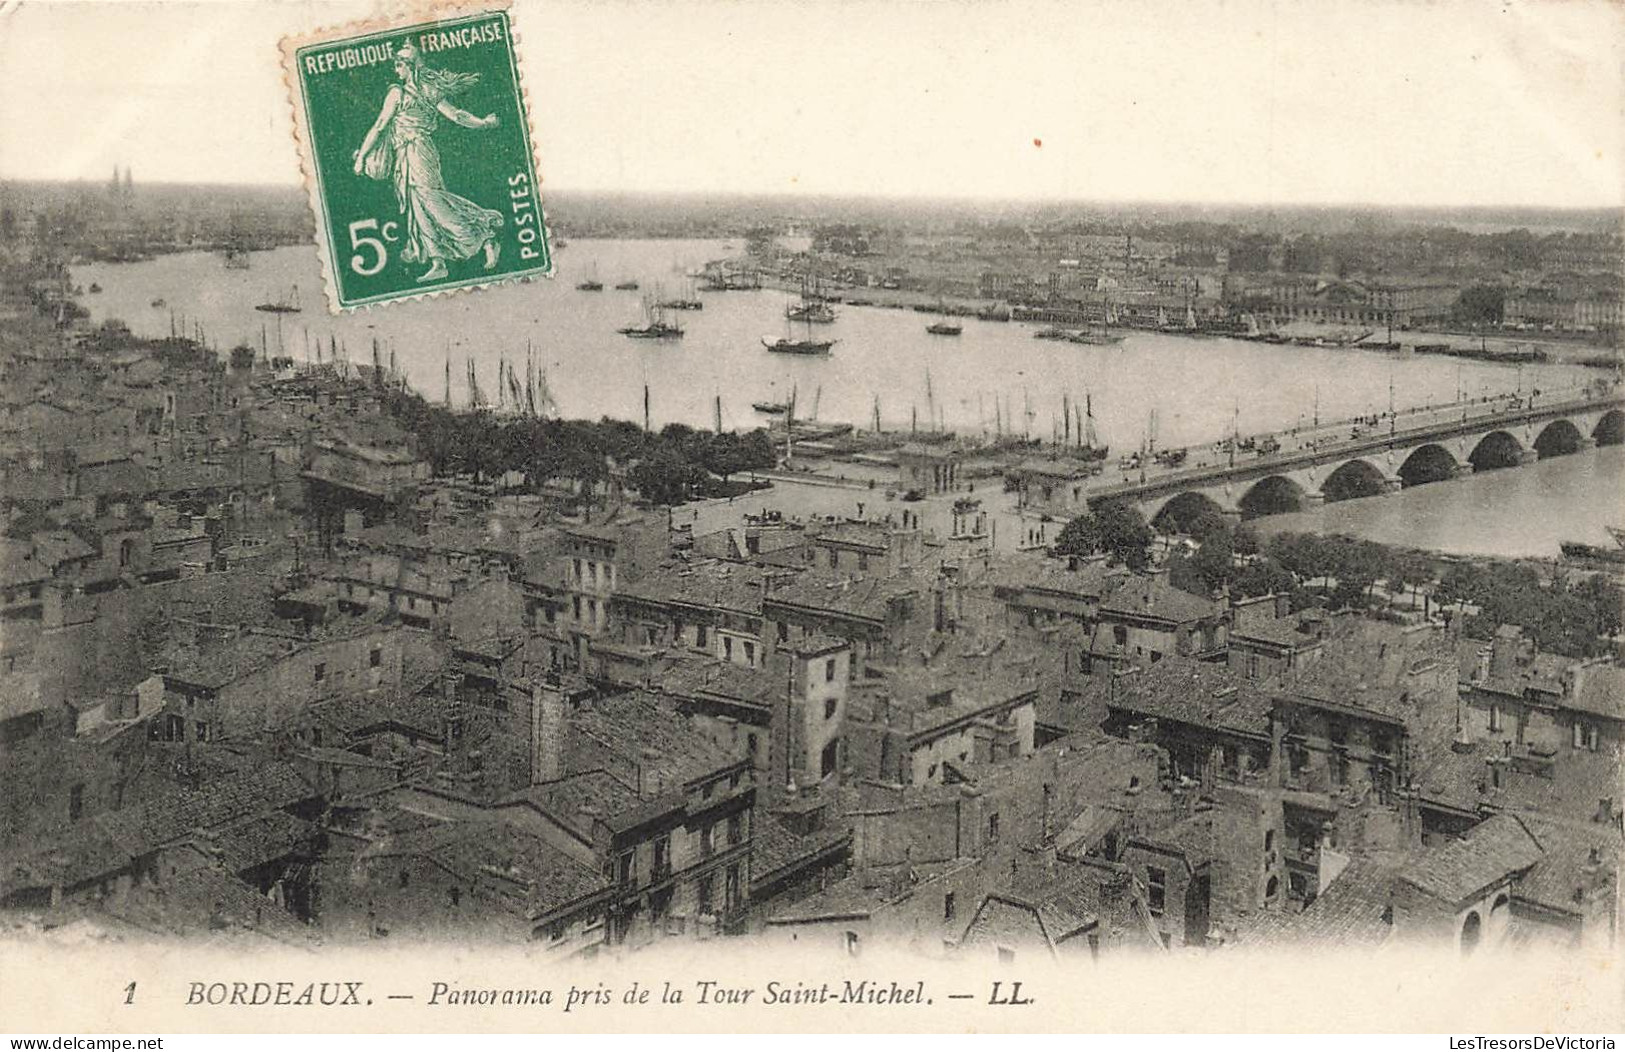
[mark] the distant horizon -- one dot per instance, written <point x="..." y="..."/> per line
<point x="1150" y="103"/>
<point x="881" y="197"/>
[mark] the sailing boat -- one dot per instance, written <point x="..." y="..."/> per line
<point x="654" y="327"/>
<point x="592" y="284"/>
<point x="811" y="309"/>
<point x="806" y="345"/>
<point x="289" y="304"/>
<point x="685" y="302"/>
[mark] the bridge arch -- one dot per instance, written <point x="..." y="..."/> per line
<point x="1558" y="438"/>
<point x="1273" y="495"/>
<point x="1357" y="478"/>
<point x="1610" y="430"/>
<point x="1180" y="511"/>
<point x="1498" y="449"/>
<point x="1429" y="463"/>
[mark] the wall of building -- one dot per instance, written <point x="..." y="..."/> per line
<point x="330" y="668"/>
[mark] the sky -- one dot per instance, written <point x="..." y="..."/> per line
<point x="1230" y="101"/>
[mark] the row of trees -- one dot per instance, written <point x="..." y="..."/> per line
<point x="666" y="467"/>
<point x="1573" y="619"/>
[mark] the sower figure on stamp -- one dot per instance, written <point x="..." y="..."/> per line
<point x="440" y="225"/>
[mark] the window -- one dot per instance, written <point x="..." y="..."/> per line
<point x="1156" y="887"/>
<point x="1269" y="840"/>
<point x="1120" y="635"/>
<point x="863" y="561"/>
<point x="662" y="857"/>
<point x="993" y="828"/>
<point x="834" y="559"/>
<point x="851" y="943"/>
<point x="830" y="705"/>
<point x="731" y="889"/>
<point x="321" y="671"/>
<point x="625" y="867"/>
<point x="784" y="632"/>
<point x="751" y="746"/>
<point x="701" y="636"/>
<point x="829" y="671"/>
<point x="1252" y="666"/>
<point x="736" y="828"/>
<point x="727" y="648"/>
<point x="1585" y="735"/>
<point x="202" y="731"/>
<point x="705" y="894"/>
<point x="947" y="905"/>
<point x="750" y="652"/>
<point x="76" y="802"/>
<point x="578" y="569"/>
<point x="375" y="657"/>
<point x="830" y="758"/>
<point x="707" y="849"/>
<point x="1495" y="718"/>
<point x="405" y="879"/>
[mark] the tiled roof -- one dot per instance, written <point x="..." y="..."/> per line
<point x="690" y="677"/>
<point x="543" y="878"/>
<point x="667" y="749"/>
<point x="1493" y="850"/>
<point x="208" y="904"/>
<point x="1573" y="782"/>
<point x="1192" y="838"/>
<point x="1570" y="848"/>
<point x="718" y="585"/>
<point x="1601" y="692"/>
<point x="578" y="799"/>
<point x="1039" y="572"/>
<point x="420" y="712"/>
<point x="1198" y="693"/>
<point x="868" y="597"/>
<point x="109" y="841"/>
<point x="1349" y="913"/>
<point x="775" y="847"/>
<point x="230" y="660"/>
<point x="1277" y="631"/>
<point x="1151" y="596"/>
<point x="260" y="840"/>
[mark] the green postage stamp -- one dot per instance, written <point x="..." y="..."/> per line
<point x="418" y="155"/>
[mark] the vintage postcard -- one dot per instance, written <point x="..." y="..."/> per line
<point x="1002" y="516"/>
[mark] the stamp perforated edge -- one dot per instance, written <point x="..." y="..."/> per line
<point x="406" y="16"/>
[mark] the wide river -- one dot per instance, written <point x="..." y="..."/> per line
<point x="1196" y="389"/>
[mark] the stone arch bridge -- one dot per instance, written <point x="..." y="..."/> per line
<point x="1380" y="461"/>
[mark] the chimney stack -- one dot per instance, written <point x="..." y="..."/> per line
<point x="547" y="730"/>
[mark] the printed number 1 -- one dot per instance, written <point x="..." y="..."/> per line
<point x="129" y="994"/>
<point x="380" y="254"/>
